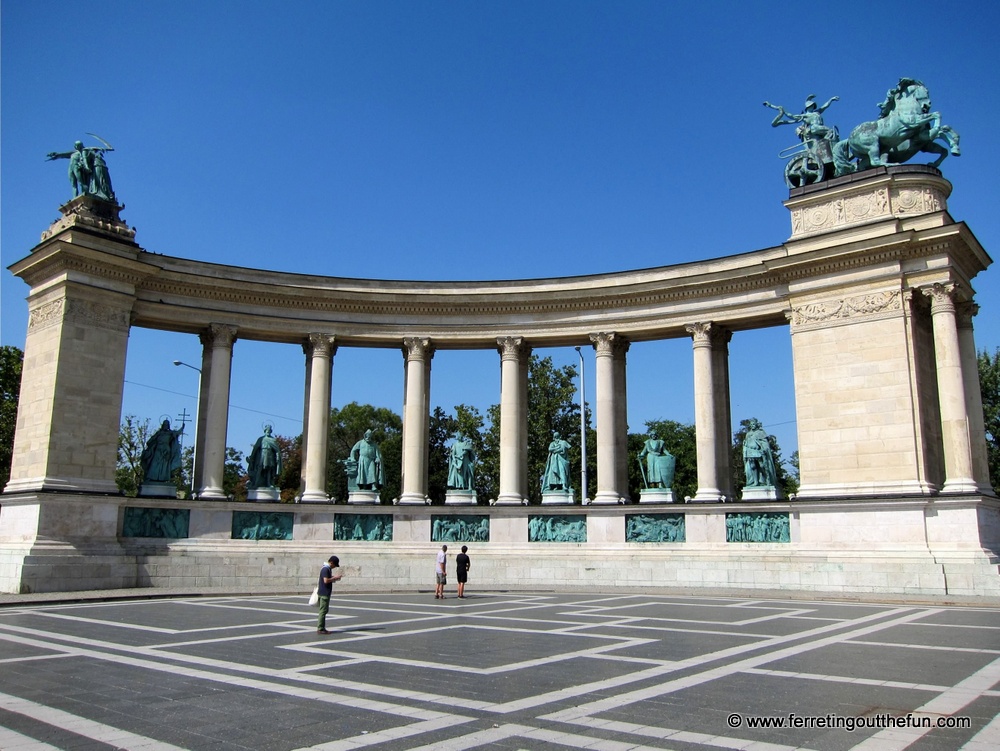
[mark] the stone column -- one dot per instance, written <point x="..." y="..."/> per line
<point x="514" y="355"/>
<point x="417" y="354"/>
<point x="219" y="338"/>
<point x="606" y="345"/>
<point x="951" y="391"/>
<point x="307" y="390"/>
<point x="973" y="396"/>
<point x="322" y="349"/>
<point x="621" y="419"/>
<point x="707" y="404"/>
<point x="204" y="378"/>
<point x="723" y="413"/>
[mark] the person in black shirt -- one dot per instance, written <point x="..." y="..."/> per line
<point x="462" y="566"/>
<point x="325" y="588"/>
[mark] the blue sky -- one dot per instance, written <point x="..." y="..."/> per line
<point x="464" y="140"/>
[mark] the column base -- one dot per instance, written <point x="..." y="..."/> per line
<point x="711" y="495"/>
<point x="364" y="497"/>
<point x="460" y="498"/>
<point x="211" y="494"/>
<point x="962" y="485"/>
<point x="413" y="499"/>
<point x="605" y="498"/>
<point x="314" y="496"/>
<point x="656" y="495"/>
<point x="510" y="500"/>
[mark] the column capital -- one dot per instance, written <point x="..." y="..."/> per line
<point x="965" y="312"/>
<point x="417" y="348"/>
<point x="708" y="334"/>
<point x="219" y="335"/>
<point x="512" y="348"/>
<point x="323" y="345"/>
<point x="942" y="297"/>
<point x="609" y="344"/>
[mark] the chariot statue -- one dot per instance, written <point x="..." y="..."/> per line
<point x="907" y="125"/>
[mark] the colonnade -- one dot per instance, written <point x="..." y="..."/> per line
<point x="965" y="461"/>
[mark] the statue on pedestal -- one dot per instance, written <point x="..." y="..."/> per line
<point x="264" y="463"/>
<point x="660" y="463"/>
<point x="161" y="457"/>
<point x="369" y="463"/>
<point x="88" y="172"/>
<point x="758" y="459"/>
<point x="460" y="464"/>
<point x="556" y="475"/>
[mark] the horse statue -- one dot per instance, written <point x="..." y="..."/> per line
<point x="905" y="127"/>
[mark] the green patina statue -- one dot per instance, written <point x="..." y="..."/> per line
<point x="88" y="172"/>
<point x="906" y="126"/>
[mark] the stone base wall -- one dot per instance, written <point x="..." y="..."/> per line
<point x="913" y="546"/>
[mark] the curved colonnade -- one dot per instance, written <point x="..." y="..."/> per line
<point x="874" y="283"/>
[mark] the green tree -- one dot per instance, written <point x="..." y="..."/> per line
<point x="441" y="428"/>
<point x="347" y="426"/>
<point x="989" y="384"/>
<point x="11" y="362"/>
<point x="552" y="407"/>
<point x="132" y="437"/>
<point x="679" y="440"/>
<point x="787" y="482"/>
<point x="291" y="467"/>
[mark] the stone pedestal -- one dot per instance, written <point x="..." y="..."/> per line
<point x="264" y="495"/>
<point x="656" y="495"/>
<point x="364" y="497"/>
<point x="460" y="498"/>
<point x="769" y="493"/>
<point x="158" y="490"/>
<point x="557" y="498"/>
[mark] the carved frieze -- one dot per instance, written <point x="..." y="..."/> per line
<point x="85" y="312"/>
<point x="827" y="312"/>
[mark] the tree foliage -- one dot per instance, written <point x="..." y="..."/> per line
<point x="347" y="426"/>
<point x="132" y="437"/>
<point x="11" y="362"/>
<point x="989" y="384"/>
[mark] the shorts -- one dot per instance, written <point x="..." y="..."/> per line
<point x="442" y="578"/>
<point x="463" y="577"/>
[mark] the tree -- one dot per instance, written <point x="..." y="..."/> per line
<point x="787" y="482"/>
<point x="291" y="467"/>
<point x="132" y="437"/>
<point x="679" y="440"/>
<point x="442" y="428"/>
<point x="11" y="362"/>
<point x="347" y="426"/>
<point x="552" y="407"/>
<point x="989" y="384"/>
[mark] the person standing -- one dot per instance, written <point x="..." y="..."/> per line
<point x="441" y="572"/>
<point x="462" y="566"/>
<point x="327" y="577"/>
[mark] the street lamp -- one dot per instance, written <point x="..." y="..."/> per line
<point x="583" y="436"/>
<point x="194" y="440"/>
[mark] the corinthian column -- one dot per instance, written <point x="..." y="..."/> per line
<point x="973" y="396"/>
<point x="417" y="354"/>
<point x="219" y="339"/>
<point x="610" y="348"/>
<point x="322" y="350"/>
<point x="951" y="392"/>
<point x="707" y="404"/>
<point x="513" y="420"/>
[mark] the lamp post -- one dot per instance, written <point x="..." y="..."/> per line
<point x="583" y="435"/>
<point x="194" y="441"/>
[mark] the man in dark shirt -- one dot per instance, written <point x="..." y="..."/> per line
<point x="325" y="589"/>
<point x="462" y="565"/>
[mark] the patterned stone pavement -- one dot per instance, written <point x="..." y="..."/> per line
<point x="498" y="671"/>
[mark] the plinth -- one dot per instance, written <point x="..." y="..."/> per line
<point x="460" y="498"/>
<point x="557" y="498"/>
<point x="656" y="495"/>
<point x="264" y="495"/>
<point x="364" y="497"/>
<point x="158" y="490"/>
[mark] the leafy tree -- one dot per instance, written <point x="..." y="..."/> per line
<point x="11" y="361"/>
<point x="989" y="384"/>
<point x="786" y="482"/>
<point x="291" y="467"/>
<point x="234" y="475"/>
<point x="347" y="426"/>
<point x="679" y="440"/>
<point x="442" y="427"/>
<point x="552" y="407"/>
<point x="132" y="437"/>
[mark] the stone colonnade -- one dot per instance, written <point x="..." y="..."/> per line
<point x="874" y="285"/>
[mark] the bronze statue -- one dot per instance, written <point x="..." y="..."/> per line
<point x="88" y="172"/>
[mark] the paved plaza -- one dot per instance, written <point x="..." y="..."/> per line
<point x="498" y="671"/>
